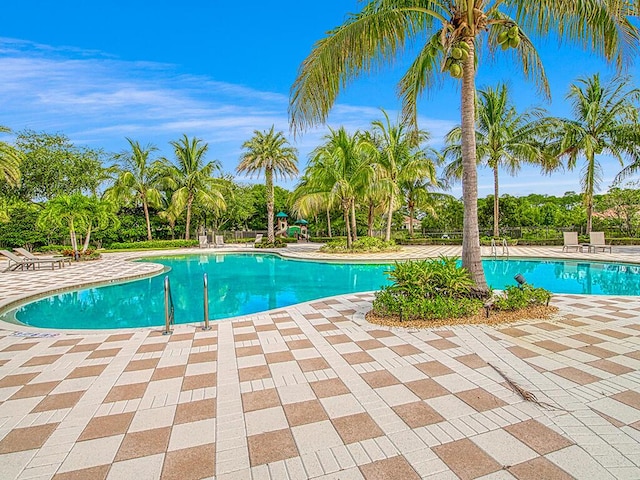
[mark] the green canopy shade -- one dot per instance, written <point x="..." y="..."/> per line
<point x="282" y="215"/>
<point x="301" y="222"/>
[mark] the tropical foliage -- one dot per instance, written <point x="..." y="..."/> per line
<point x="269" y="152"/>
<point x="451" y="34"/>
<point x="606" y="120"/>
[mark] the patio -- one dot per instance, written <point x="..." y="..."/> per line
<point x="314" y="391"/>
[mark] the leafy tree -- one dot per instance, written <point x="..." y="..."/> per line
<point x="71" y="212"/>
<point x="505" y="139"/>
<point x="138" y="179"/>
<point x="605" y="122"/>
<point x="100" y="215"/>
<point x="20" y="230"/>
<point x="10" y="160"/>
<point x="400" y="160"/>
<point x="452" y="33"/>
<point x="268" y="152"/>
<point x="339" y="173"/>
<point x="53" y="166"/>
<point x="192" y="180"/>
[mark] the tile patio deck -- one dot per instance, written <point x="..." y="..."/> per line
<point x="314" y="391"/>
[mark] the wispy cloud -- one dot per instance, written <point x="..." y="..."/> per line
<point x="98" y="100"/>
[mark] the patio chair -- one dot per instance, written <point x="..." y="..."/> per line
<point x="219" y="241"/>
<point x="570" y="241"/>
<point x="596" y="240"/>
<point x="258" y="239"/>
<point x="30" y="256"/>
<point x="16" y="262"/>
<point x="202" y="241"/>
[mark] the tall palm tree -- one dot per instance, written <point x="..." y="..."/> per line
<point x="450" y="33"/>
<point x="400" y="160"/>
<point x="341" y="167"/>
<point x="269" y="151"/>
<point x="605" y="121"/>
<point x="192" y="179"/>
<point x="10" y="160"/>
<point x="138" y="179"/>
<point x="418" y="194"/>
<point x="100" y="214"/>
<point x="505" y="139"/>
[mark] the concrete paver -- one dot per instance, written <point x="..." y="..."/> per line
<point x="382" y="403"/>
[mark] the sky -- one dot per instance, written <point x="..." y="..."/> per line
<point x="100" y="72"/>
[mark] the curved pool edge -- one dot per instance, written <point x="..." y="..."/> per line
<point x="304" y="254"/>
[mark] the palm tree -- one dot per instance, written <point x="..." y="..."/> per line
<point x="504" y="139"/>
<point x="71" y="212"/>
<point x="100" y="214"/>
<point x="10" y="160"/>
<point x="270" y="152"/>
<point x="605" y="122"/>
<point x="340" y="171"/>
<point x="192" y="179"/>
<point x="138" y="179"/>
<point x="453" y="31"/>
<point x="400" y="160"/>
<point x="417" y="195"/>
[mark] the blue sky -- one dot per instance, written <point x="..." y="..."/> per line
<point x="102" y="71"/>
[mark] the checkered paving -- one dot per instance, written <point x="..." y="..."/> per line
<point x="314" y="391"/>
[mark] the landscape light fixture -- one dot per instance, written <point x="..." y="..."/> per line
<point x="520" y="279"/>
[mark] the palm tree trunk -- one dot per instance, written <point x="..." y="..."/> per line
<point x="188" y="225"/>
<point x="496" y="204"/>
<point x="471" y="255"/>
<point x="86" y="240"/>
<point x="370" y="219"/>
<point x="387" y="235"/>
<point x="411" y="211"/>
<point x="589" y="213"/>
<point x="345" y="211"/>
<point x="145" y="207"/>
<point x="329" y="222"/>
<point x="268" y="174"/>
<point x="354" y="230"/>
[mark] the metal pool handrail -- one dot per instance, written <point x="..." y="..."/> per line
<point x="169" y="310"/>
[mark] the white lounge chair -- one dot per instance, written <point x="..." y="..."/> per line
<point x="596" y="241"/>
<point x="219" y="241"/>
<point x="571" y="241"/>
<point x="202" y="241"/>
<point x="16" y="262"/>
<point x="258" y="239"/>
<point x="30" y="256"/>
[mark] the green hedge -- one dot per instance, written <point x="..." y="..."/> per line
<point x="154" y="244"/>
<point x="325" y="239"/>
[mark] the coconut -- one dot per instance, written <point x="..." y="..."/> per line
<point x="455" y="70"/>
<point x="514" y="42"/>
<point x="456" y="53"/>
<point x="513" y="32"/>
<point x="503" y="37"/>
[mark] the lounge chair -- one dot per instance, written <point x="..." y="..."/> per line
<point x="30" y="256"/>
<point x="16" y="262"/>
<point x="596" y="241"/>
<point x="219" y="241"/>
<point x="571" y="241"/>
<point x="202" y="241"/>
<point x="258" y="239"/>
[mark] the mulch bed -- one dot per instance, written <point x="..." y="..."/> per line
<point x="495" y="318"/>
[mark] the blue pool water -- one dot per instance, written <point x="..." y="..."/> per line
<point x="241" y="284"/>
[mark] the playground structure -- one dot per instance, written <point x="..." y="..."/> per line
<point x="297" y="230"/>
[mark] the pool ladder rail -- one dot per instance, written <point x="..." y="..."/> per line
<point x="503" y="244"/>
<point x="169" y="310"/>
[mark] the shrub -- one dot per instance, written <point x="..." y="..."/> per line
<point x="154" y="244"/>
<point x="427" y="289"/>
<point x="362" y="245"/>
<point x="52" y="248"/>
<point x="88" y="254"/>
<point x="278" y="243"/>
<point x="518" y="297"/>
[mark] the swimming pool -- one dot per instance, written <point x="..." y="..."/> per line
<point x="241" y="284"/>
